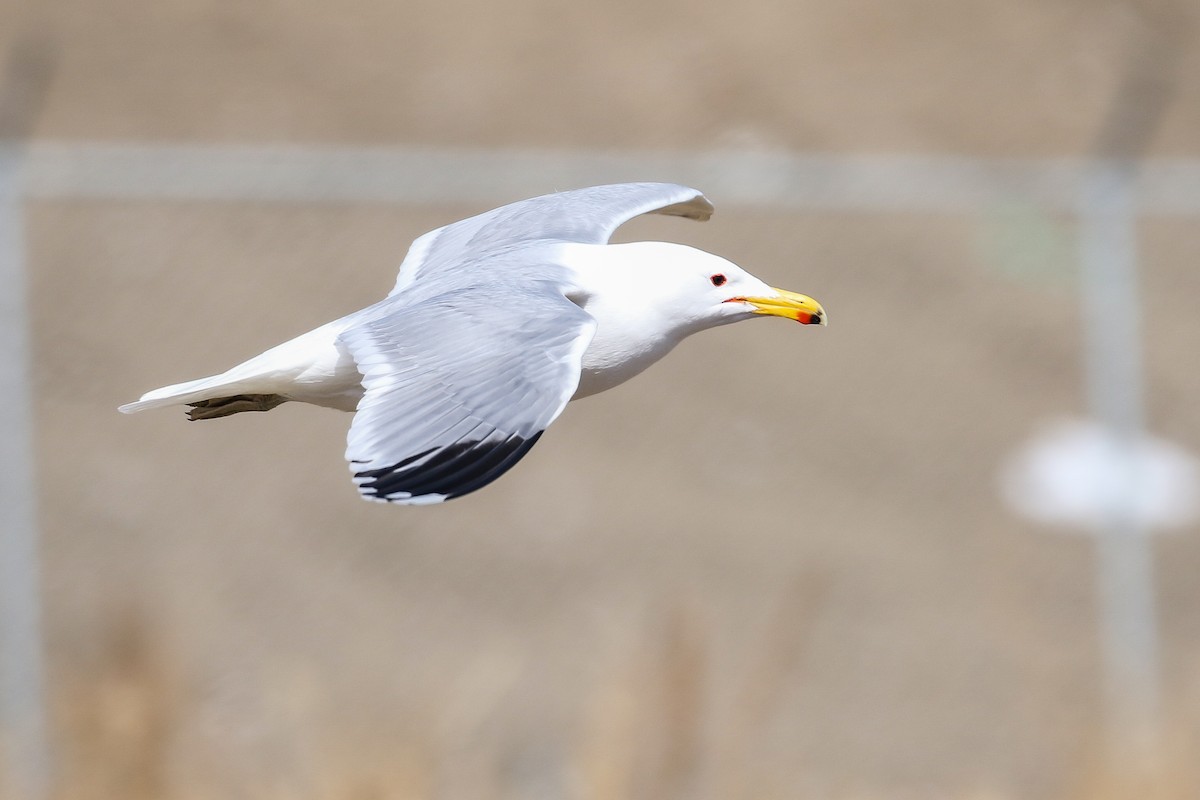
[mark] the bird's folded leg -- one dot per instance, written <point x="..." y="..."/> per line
<point x="224" y="406"/>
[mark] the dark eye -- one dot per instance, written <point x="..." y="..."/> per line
<point x="718" y="279"/>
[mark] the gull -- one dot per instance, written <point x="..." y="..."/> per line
<point x="495" y="323"/>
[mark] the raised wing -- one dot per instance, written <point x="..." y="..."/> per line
<point x="587" y="215"/>
<point x="459" y="387"/>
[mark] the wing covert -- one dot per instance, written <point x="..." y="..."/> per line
<point x="588" y="216"/>
<point x="459" y="387"/>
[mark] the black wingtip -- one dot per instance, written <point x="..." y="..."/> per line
<point x="453" y="471"/>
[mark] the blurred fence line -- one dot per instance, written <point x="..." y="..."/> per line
<point x="430" y="175"/>
<point x="24" y="750"/>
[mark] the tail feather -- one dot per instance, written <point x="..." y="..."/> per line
<point x="301" y="364"/>
<point x="210" y="388"/>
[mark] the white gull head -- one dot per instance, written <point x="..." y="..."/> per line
<point x="647" y="297"/>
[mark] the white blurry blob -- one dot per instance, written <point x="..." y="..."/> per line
<point x="1073" y="473"/>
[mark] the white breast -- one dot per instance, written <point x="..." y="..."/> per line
<point x="633" y="329"/>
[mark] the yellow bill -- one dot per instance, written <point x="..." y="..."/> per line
<point x="790" y="305"/>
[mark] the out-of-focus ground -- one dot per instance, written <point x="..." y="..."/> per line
<point x="774" y="566"/>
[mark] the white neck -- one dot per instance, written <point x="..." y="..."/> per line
<point x="622" y="287"/>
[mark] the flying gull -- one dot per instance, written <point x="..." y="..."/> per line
<point x="494" y="325"/>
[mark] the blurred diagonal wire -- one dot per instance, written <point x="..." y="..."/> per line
<point x="24" y="750"/>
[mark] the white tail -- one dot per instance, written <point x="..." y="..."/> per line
<point x="223" y="385"/>
<point x="311" y="368"/>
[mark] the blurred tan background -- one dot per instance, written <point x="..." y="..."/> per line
<point x="775" y="566"/>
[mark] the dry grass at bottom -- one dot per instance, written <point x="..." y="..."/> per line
<point x="641" y="735"/>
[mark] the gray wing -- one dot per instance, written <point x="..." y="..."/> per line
<point x="587" y="215"/>
<point x="459" y="387"/>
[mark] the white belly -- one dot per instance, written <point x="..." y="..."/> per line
<point x="613" y="358"/>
